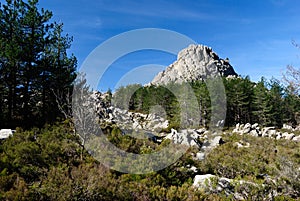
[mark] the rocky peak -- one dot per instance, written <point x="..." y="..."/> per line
<point x="196" y="62"/>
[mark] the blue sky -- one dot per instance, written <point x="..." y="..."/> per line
<point x="255" y="35"/>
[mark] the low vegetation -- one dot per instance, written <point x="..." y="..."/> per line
<point x="46" y="164"/>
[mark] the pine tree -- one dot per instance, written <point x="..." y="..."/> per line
<point x="276" y="103"/>
<point x="33" y="64"/>
<point x="33" y="43"/>
<point x="261" y="109"/>
<point x="291" y="108"/>
<point x="10" y="40"/>
<point x="56" y="80"/>
<point x="204" y="103"/>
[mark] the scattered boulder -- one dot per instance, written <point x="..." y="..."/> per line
<point x="247" y="128"/>
<point x="209" y="145"/>
<point x="254" y="133"/>
<point x="6" y="133"/>
<point x="287" y="127"/>
<point x="193" y="169"/>
<point x="271" y="132"/>
<point x="200" y="156"/>
<point x="242" y="144"/>
<point x="255" y="126"/>
<point x="296" y="139"/>
<point x="266" y="131"/>
<point x="288" y="136"/>
<point x="186" y="137"/>
<point x="213" y="184"/>
<point x="202" y="181"/>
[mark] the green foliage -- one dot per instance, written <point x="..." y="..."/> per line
<point x="277" y="159"/>
<point x="266" y="103"/>
<point x="45" y="164"/>
<point x="35" y="70"/>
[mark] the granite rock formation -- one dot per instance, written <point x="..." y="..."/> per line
<point x="196" y="62"/>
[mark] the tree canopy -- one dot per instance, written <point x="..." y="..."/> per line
<point x="34" y="66"/>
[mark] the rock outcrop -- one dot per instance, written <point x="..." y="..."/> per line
<point x="196" y="62"/>
<point x="152" y="125"/>
<point x="213" y="184"/>
<point x="200" y="138"/>
<point x="125" y="120"/>
<point x="271" y="132"/>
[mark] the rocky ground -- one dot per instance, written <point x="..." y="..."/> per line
<point x="205" y="141"/>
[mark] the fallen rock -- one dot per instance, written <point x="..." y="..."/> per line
<point x="242" y="144"/>
<point x="255" y="126"/>
<point x="287" y="127"/>
<point x="296" y="139"/>
<point x="266" y="130"/>
<point x="247" y="128"/>
<point x="193" y="169"/>
<point x="202" y="181"/>
<point x="187" y="137"/>
<point x="254" y="133"/>
<point x="239" y="189"/>
<point x="6" y="133"/>
<point x="288" y="136"/>
<point x="271" y="132"/>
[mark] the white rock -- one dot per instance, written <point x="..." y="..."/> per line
<point x="247" y="125"/>
<point x="5" y="133"/>
<point x="289" y="136"/>
<point x="278" y="137"/>
<point x="201" y="181"/>
<point x="246" y="130"/>
<point x="255" y="126"/>
<point x="242" y="144"/>
<point x="287" y="127"/>
<point x="296" y="139"/>
<point x="196" y="62"/>
<point x="272" y="133"/>
<point x="200" y="131"/>
<point x="215" y="142"/>
<point x="200" y="156"/>
<point x="194" y="169"/>
<point x="254" y="133"/>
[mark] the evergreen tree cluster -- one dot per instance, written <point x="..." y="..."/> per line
<point x="268" y="103"/>
<point x="35" y="70"/>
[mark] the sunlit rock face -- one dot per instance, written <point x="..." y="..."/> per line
<point x="196" y="62"/>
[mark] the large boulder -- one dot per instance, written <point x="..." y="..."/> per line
<point x="202" y="181"/>
<point x="187" y="137"/>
